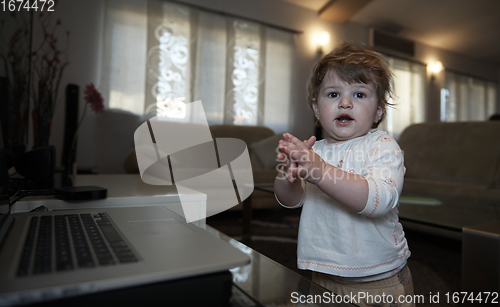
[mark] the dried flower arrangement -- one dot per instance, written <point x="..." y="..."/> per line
<point x="48" y="67"/>
<point x="44" y="63"/>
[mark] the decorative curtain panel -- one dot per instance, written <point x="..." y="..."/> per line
<point x="244" y="74"/>
<point x="465" y="98"/>
<point x="168" y="72"/>
<point x="409" y="96"/>
<point x="240" y="70"/>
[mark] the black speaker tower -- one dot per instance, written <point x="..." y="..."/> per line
<point x="70" y="126"/>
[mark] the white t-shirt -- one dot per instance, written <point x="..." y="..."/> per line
<point x="339" y="241"/>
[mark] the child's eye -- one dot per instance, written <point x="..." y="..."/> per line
<point x="360" y="95"/>
<point x="333" y="95"/>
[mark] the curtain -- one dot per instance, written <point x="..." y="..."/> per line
<point x="240" y="70"/>
<point x="123" y="58"/>
<point x="466" y="98"/>
<point x="409" y="96"/>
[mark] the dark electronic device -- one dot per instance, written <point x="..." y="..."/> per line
<point x="81" y="193"/>
<point x="38" y="165"/>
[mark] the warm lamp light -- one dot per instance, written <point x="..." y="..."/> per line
<point x="322" y="39"/>
<point x="435" y="67"/>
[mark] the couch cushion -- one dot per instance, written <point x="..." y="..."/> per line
<point x="249" y="134"/>
<point x="465" y="152"/>
<point x="264" y="152"/>
<point x="264" y="176"/>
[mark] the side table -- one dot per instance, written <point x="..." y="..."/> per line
<point x="247" y="210"/>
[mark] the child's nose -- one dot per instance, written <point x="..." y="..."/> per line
<point x="345" y="103"/>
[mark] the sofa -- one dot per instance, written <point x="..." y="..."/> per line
<point x="261" y="143"/>
<point x="457" y="164"/>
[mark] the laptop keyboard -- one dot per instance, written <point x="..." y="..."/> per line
<point x="72" y="241"/>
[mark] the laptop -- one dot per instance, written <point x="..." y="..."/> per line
<point x="60" y="254"/>
<point x="104" y="250"/>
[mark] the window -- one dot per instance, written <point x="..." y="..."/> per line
<point x="240" y="70"/>
<point x="124" y="55"/>
<point x="466" y="98"/>
<point x="409" y="96"/>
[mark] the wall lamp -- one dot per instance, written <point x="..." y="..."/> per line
<point x="435" y="68"/>
<point x="321" y="39"/>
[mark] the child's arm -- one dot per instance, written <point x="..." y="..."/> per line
<point x="348" y="189"/>
<point x="289" y="194"/>
<point x="287" y="187"/>
<point x="373" y="192"/>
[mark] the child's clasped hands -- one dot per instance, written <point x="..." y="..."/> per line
<point x="300" y="160"/>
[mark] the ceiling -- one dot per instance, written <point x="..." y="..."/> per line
<point x="465" y="27"/>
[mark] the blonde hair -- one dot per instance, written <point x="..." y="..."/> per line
<point x="354" y="64"/>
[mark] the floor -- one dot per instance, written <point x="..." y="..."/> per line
<point x="435" y="262"/>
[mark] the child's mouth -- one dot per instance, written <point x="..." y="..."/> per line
<point x="344" y="119"/>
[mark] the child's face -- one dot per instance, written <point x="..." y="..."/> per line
<point x="345" y="110"/>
